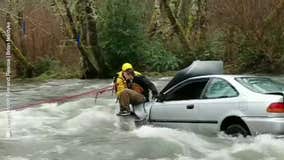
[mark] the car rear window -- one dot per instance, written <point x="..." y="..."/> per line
<point x="261" y="84"/>
<point x="219" y="88"/>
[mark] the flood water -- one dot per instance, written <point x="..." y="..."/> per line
<point x="84" y="130"/>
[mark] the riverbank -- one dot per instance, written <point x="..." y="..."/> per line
<point x="65" y="74"/>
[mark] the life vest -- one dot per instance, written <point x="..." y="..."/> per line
<point x="140" y="84"/>
<point x="120" y="83"/>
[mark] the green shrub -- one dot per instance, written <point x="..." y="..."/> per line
<point x="122" y="35"/>
<point x="262" y="56"/>
<point x="45" y="65"/>
<point x="49" y="68"/>
<point x="157" y="58"/>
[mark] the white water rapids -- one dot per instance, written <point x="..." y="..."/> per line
<point x="83" y="130"/>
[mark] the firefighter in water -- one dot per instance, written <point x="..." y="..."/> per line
<point x="132" y="88"/>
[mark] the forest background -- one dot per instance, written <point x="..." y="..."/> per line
<point x="92" y="38"/>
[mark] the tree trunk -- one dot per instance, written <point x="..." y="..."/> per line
<point x="201" y="20"/>
<point x="92" y="37"/>
<point x="67" y="27"/>
<point x="180" y="7"/>
<point x="93" y="66"/>
<point x="177" y="27"/>
<point x="155" y="19"/>
<point x="197" y="22"/>
<point x="20" y="28"/>
<point x="230" y="53"/>
<point x="21" y="61"/>
<point x="19" y="55"/>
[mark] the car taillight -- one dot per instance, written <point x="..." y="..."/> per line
<point x="276" y="108"/>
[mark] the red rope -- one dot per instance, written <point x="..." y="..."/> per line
<point x="94" y="92"/>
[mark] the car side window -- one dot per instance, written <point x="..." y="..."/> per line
<point x="219" y="88"/>
<point x="187" y="91"/>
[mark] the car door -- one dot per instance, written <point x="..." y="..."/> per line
<point x="218" y="99"/>
<point x="178" y="107"/>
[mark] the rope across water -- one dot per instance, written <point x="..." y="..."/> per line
<point x="94" y="93"/>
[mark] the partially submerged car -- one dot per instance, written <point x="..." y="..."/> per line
<point x="201" y="98"/>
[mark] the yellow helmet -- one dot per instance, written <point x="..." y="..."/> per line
<point x="126" y="66"/>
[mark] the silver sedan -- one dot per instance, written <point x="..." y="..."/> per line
<point x="235" y="104"/>
<point x="246" y="105"/>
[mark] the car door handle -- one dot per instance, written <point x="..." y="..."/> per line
<point x="191" y="106"/>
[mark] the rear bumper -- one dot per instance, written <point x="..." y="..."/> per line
<point x="261" y="125"/>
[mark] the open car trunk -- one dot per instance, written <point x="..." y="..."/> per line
<point x="197" y="68"/>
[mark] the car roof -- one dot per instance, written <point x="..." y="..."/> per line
<point x="225" y="76"/>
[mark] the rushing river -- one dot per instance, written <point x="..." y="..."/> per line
<point x="84" y="130"/>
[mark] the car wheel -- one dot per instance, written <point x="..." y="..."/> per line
<point x="236" y="130"/>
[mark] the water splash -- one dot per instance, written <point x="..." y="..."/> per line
<point x="200" y="147"/>
<point x="84" y="130"/>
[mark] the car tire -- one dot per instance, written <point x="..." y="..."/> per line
<point x="236" y="130"/>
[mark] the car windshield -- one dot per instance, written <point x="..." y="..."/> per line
<point x="261" y="84"/>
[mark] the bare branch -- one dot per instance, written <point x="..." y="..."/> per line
<point x="177" y="27"/>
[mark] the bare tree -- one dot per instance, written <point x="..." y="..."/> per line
<point x="93" y="61"/>
<point x="19" y="55"/>
<point x="155" y="23"/>
<point x="197" y="21"/>
<point x="195" y="14"/>
<point x="23" y="63"/>
<point x="177" y="27"/>
<point x="253" y="26"/>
